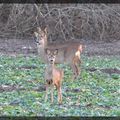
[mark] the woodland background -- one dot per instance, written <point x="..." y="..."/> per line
<point x="65" y="22"/>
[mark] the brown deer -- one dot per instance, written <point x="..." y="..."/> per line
<point x="53" y="75"/>
<point x="68" y="52"/>
<point x="41" y="40"/>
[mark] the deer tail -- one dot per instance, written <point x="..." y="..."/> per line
<point x="80" y="48"/>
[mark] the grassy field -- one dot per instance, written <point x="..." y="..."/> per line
<point x="95" y="93"/>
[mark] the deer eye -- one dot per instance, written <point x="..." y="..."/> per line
<point x="37" y="41"/>
<point x="53" y="57"/>
<point x="49" y="56"/>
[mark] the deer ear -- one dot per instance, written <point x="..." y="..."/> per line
<point x="39" y="30"/>
<point x="45" y="30"/>
<point x="56" y="52"/>
<point x="47" y="51"/>
<point x="36" y="34"/>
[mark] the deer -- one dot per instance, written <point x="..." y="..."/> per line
<point x="40" y="38"/>
<point x="68" y="52"/>
<point x="53" y="75"/>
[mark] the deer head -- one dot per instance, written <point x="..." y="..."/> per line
<point x="51" y="55"/>
<point x="41" y="36"/>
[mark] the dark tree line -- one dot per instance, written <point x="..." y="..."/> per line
<point x="97" y="22"/>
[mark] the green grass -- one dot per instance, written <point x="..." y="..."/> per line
<point x="92" y="94"/>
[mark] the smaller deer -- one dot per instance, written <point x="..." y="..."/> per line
<point x="53" y="75"/>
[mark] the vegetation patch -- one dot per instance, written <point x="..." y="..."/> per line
<point x="95" y="92"/>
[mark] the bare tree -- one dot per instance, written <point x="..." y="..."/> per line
<point x="66" y="22"/>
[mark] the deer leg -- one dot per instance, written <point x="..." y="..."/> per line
<point x="59" y="95"/>
<point x="76" y="63"/>
<point x="46" y="94"/>
<point x="74" y="71"/>
<point x="77" y="71"/>
<point x="79" y="63"/>
<point x="77" y="68"/>
<point x="52" y="89"/>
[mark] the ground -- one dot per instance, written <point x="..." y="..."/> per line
<point x="95" y="93"/>
<point x="14" y="47"/>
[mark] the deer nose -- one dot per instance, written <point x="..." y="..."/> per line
<point x="49" y="81"/>
<point x="51" y="60"/>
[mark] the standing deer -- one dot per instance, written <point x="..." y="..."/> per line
<point x="53" y="75"/>
<point x="41" y="40"/>
<point x="68" y="52"/>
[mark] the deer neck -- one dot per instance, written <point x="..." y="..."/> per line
<point x="41" y="49"/>
<point x="51" y="65"/>
<point x="45" y="43"/>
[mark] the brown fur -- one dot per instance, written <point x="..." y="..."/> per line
<point x="53" y="77"/>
